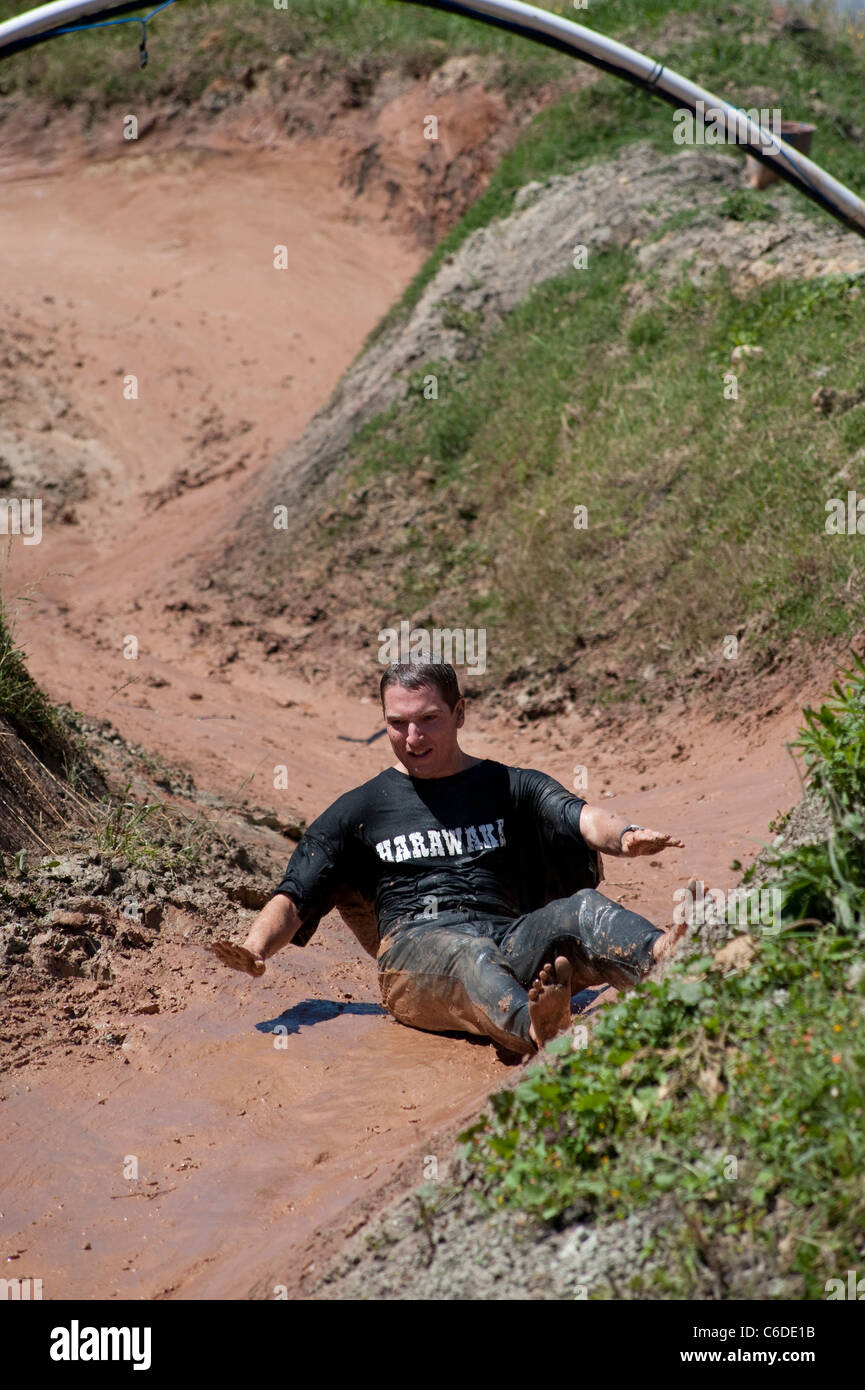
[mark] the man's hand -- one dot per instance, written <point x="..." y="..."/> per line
<point x="603" y="831"/>
<point x="645" y="841"/>
<point x="238" y="957"/>
<point x="272" y="929"/>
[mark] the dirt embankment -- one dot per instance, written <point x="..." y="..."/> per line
<point x="619" y="203"/>
<point x="153" y="359"/>
<point x="34" y="801"/>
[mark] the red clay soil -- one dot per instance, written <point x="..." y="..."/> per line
<point x="247" y="1149"/>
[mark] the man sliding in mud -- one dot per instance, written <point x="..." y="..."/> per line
<point x="456" y="851"/>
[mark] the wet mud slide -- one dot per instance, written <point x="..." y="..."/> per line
<point x="239" y="1126"/>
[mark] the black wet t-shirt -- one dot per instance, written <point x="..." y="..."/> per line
<point x="448" y="849"/>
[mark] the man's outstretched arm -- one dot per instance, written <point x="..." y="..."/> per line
<point x="272" y="929"/>
<point x="603" y="831"/>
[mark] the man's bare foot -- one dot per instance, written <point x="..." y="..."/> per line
<point x="550" y="1001"/>
<point x="666" y="944"/>
<point x="238" y="957"/>
<point x="696" y="894"/>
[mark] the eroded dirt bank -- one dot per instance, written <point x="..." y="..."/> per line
<point x="248" y="1153"/>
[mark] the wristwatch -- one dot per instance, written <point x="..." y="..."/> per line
<point x="625" y="831"/>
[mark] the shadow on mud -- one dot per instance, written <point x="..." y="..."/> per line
<point x="311" y="1011"/>
<point x="582" y="1002"/>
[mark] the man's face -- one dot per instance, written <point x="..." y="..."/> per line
<point x="422" y="730"/>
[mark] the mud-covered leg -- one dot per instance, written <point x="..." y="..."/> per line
<point x="444" y="979"/>
<point x="604" y="942"/>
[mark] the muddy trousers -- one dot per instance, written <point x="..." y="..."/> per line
<point x="473" y="976"/>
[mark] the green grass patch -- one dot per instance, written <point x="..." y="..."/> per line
<point x="151" y="834"/>
<point x="833" y="744"/>
<point x="197" y="41"/>
<point x="24" y="703"/>
<point x="745" y="206"/>
<point x="738" y="1096"/>
<point x="714" y="508"/>
<point x="826" y="881"/>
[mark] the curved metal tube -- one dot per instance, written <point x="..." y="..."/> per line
<point x="47" y="21"/>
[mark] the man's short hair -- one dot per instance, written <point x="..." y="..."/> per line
<point x="414" y="675"/>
